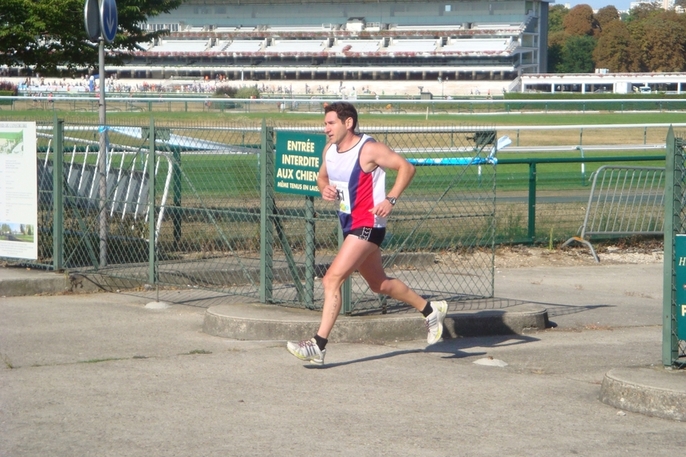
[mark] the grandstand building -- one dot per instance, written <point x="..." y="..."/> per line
<point x="346" y="40"/>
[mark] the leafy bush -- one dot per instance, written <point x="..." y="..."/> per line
<point x="248" y="92"/>
<point x="232" y="92"/>
<point x="226" y="91"/>
<point x="8" y="88"/>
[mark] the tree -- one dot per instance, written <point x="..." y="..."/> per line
<point x="554" y="57"/>
<point x="47" y="34"/>
<point x="643" y="11"/>
<point x="663" y="41"/>
<point x="556" y="16"/>
<point x="556" y="42"/>
<point x="606" y="15"/>
<point x="616" y="49"/>
<point x="577" y="55"/>
<point x="580" y="21"/>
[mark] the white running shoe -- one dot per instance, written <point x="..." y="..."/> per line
<point x="307" y="350"/>
<point x="434" y="321"/>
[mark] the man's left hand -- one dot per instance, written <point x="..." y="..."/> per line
<point x="383" y="209"/>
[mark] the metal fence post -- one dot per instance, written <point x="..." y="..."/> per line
<point x="347" y="288"/>
<point x="583" y="166"/>
<point x="310" y="246"/>
<point x="531" y="231"/>
<point x="176" y="195"/>
<point x="267" y="209"/>
<point x="152" y="243"/>
<point x="669" y="340"/>
<point x="58" y="196"/>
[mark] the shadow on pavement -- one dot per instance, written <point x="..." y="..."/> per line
<point x="453" y="348"/>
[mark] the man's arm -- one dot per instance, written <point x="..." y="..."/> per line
<point x="325" y="188"/>
<point x="379" y="155"/>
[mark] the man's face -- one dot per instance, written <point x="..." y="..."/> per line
<point x="334" y="128"/>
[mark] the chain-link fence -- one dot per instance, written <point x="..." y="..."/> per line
<point x="674" y="293"/>
<point x="447" y="212"/>
<point x="221" y="229"/>
<point x="211" y="207"/>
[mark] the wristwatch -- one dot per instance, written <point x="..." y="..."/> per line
<point x="392" y="200"/>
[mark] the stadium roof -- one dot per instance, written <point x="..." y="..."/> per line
<point x="244" y="2"/>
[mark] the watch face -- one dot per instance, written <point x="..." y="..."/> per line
<point x="391" y="199"/>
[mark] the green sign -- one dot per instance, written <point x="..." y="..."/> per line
<point x="680" y="277"/>
<point x="298" y="158"/>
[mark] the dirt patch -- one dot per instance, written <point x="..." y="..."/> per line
<point x="533" y="256"/>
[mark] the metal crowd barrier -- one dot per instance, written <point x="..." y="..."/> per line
<point x="624" y="201"/>
<point x="127" y="181"/>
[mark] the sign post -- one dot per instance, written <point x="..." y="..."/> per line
<point x="91" y="13"/>
<point x="298" y="158"/>
<point x="101" y="21"/>
<point x="108" y="19"/>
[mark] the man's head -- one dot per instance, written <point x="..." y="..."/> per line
<point x="343" y="110"/>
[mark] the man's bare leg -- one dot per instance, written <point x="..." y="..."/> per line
<point x="356" y="254"/>
<point x="372" y="271"/>
<point x="352" y="255"/>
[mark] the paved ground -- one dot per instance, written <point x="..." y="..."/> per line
<point x="99" y="374"/>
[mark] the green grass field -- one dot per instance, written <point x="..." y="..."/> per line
<point x="538" y="115"/>
<point x="237" y="174"/>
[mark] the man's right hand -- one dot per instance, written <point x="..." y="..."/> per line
<point x="329" y="193"/>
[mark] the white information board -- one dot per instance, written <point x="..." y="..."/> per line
<point x="18" y="190"/>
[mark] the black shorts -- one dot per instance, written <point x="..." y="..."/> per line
<point x="372" y="234"/>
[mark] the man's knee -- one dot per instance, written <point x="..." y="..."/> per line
<point x="331" y="280"/>
<point x="382" y="287"/>
<point x="376" y="288"/>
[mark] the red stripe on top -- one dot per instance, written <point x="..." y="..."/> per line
<point x="364" y="201"/>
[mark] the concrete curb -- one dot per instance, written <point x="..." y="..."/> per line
<point x="514" y="320"/>
<point x="651" y="391"/>
<point x="26" y="282"/>
<point x="47" y="285"/>
<point x="260" y="322"/>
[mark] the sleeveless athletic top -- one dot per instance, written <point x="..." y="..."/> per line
<point x="358" y="191"/>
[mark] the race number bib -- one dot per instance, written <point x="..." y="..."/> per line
<point x="343" y="196"/>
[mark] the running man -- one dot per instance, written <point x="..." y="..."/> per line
<point x="353" y="174"/>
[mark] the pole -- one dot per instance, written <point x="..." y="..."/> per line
<point x="102" y="163"/>
<point x="57" y="196"/>
<point x="673" y="162"/>
<point x="583" y="166"/>
<point x="531" y="232"/>
<point x="310" y="251"/>
<point x="153" y="272"/>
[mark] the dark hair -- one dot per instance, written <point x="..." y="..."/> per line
<point x="344" y="110"/>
